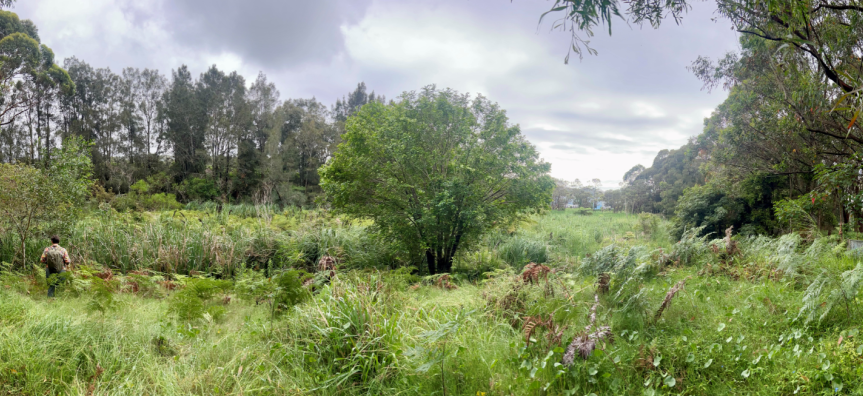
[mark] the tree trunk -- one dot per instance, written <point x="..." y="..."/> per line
<point x="445" y="264"/>
<point x="439" y="261"/>
<point x="430" y="257"/>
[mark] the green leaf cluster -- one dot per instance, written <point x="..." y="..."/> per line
<point x="435" y="170"/>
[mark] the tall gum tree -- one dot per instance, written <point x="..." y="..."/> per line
<point x="435" y="170"/>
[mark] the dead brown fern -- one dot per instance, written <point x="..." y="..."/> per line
<point x="644" y="361"/>
<point x="91" y="386"/>
<point x="328" y="263"/>
<point x="105" y="274"/>
<point x="530" y="324"/>
<point x="668" y="297"/>
<point x="584" y="343"/>
<point x="534" y="324"/>
<point x="602" y="283"/>
<point x="533" y="272"/>
<point x="731" y="248"/>
<point x="445" y="282"/>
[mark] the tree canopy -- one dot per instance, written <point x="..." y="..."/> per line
<point x="434" y="170"/>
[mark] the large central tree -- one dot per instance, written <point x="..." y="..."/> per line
<point x="435" y="170"/>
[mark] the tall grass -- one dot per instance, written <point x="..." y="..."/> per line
<point x="206" y="240"/>
<point x="747" y="322"/>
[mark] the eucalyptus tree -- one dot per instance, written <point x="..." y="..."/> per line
<point x="151" y="86"/>
<point x="226" y="120"/>
<point x="263" y="100"/>
<point x="130" y="119"/>
<point x="94" y="112"/>
<point x="182" y="115"/>
<point x="435" y="170"/>
<point x="29" y="80"/>
<point x="309" y="139"/>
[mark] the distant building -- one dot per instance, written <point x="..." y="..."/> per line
<point x="599" y="205"/>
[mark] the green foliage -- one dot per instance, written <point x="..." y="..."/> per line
<point x="648" y="223"/>
<point x="612" y="259"/>
<point x="829" y="291"/>
<point x="840" y="182"/>
<point x="690" y="247"/>
<point x="198" y="189"/>
<point x="196" y="300"/>
<point x="102" y="296"/>
<point x="289" y="290"/>
<point x="736" y="330"/>
<point x="519" y="251"/>
<point x="140" y="187"/>
<point x="433" y="348"/>
<point x="583" y="211"/>
<point x="252" y="285"/>
<point x="30" y="202"/>
<point x="707" y="208"/>
<point x="143" y="202"/>
<point x="582" y="16"/>
<point x="163" y="347"/>
<point x="71" y="169"/>
<point x="469" y="171"/>
<point x="472" y="265"/>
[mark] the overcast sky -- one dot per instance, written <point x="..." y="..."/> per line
<point x="591" y="119"/>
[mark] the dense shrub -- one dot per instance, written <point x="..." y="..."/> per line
<point x="289" y="290"/>
<point x="197" y="299"/>
<point x="519" y="251"/>
<point x="196" y="188"/>
<point x="614" y="258"/>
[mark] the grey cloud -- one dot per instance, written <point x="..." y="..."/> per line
<point x="270" y="33"/>
<point x="600" y="140"/>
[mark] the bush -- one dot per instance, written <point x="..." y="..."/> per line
<point x="648" y="223"/>
<point x="198" y="189"/>
<point x="196" y="299"/>
<point x="102" y="299"/>
<point x="690" y="247"/>
<point x="613" y="259"/>
<point x="707" y="208"/>
<point x="518" y="251"/>
<point x="138" y="199"/>
<point x="583" y="211"/>
<point x="472" y="265"/>
<point x="289" y="290"/>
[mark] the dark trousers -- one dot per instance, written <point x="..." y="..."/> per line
<point x="53" y="282"/>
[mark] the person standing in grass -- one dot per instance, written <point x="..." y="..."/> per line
<point x="55" y="259"/>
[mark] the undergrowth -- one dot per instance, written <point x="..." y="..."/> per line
<point x="564" y="305"/>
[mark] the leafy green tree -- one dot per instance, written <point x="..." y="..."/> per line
<point x="263" y="100"/>
<point x="707" y="206"/>
<point x="29" y="78"/>
<point x="581" y="17"/>
<point x="72" y="170"/>
<point x="93" y="112"/>
<point x="435" y="170"/>
<point x="182" y="114"/>
<point x="48" y="200"/>
<point x="29" y="201"/>
<point x="248" y="176"/>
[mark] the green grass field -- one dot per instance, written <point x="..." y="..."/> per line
<point x="756" y="316"/>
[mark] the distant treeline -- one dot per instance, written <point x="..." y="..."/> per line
<point x="207" y="138"/>
<point x="781" y="154"/>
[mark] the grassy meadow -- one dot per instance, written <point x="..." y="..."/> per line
<point x="235" y="301"/>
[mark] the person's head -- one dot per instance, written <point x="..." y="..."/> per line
<point x="55" y="239"/>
